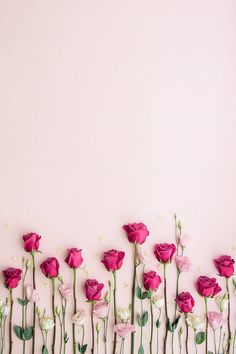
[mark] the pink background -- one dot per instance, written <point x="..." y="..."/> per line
<point x="117" y="111"/>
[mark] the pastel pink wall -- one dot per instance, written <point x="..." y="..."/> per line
<point x="114" y="111"/>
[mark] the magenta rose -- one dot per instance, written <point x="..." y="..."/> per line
<point x="137" y="232"/>
<point x="225" y="266"/>
<point x="74" y="258"/>
<point x="93" y="289"/>
<point x="207" y="287"/>
<point x="164" y="252"/>
<point x="113" y="260"/>
<point x="50" y="267"/>
<point x="151" y="281"/>
<point x="31" y="242"/>
<point x="185" y="302"/>
<point x="11" y="276"/>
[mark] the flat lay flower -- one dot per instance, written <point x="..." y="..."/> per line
<point x="136" y="232"/>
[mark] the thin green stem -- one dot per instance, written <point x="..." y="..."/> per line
<point x="206" y="340"/>
<point x="151" y="334"/>
<point x="234" y="339"/>
<point x="195" y="342"/>
<point x="75" y="309"/>
<point x="176" y="295"/>
<point x="10" y="323"/>
<point x="228" y="317"/>
<point x="54" y="316"/>
<point x="115" y="310"/>
<point x="166" y="310"/>
<point x="220" y="338"/>
<point x="92" y="324"/>
<point x="186" y="339"/>
<point x="34" y="305"/>
<point x="214" y="335"/>
<point x="133" y="297"/>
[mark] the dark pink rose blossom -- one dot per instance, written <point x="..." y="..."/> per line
<point x="74" y="258"/>
<point x="207" y="287"/>
<point x="185" y="302"/>
<point x="113" y="260"/>
<point x="50" y="267"/>
<point x="11" y="276"/>
<point x="151" y="281"/>
<point x="31" y="242"/>
<point x="225" y="266"/>
<point x="164" y="252"/>
<point x="93" y="289"/>
<point x="137" y="232"/>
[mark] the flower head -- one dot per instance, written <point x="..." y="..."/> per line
<point x="136" y="232"/>
<point x="124" y="329"/>
<point x="74" y="258"/>
<point x="113" y="260"/>
<point x="225" y="266"/>
<point x="183" y="263"/>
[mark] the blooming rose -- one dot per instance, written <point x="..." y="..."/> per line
<point x="164" y="252"/>
<point x="196" y="322"/>
<point x="216" y="319"/>
<point x="11" y="276"/>
<point x="46" y="323"/>
<point x="79" y="318"/>
<point x="100" y="309"/>
<point x="124" y="329"/>
<point x="123" y="313"/>
<point x="222" y="302"/>
<point x="137" y="232"/>
<point x="184" y="240"/>
<point x="183" y="263"/>
<point x="207" y="287"/>
<point x="158" y="301"/>
<point x="225" y="266"/>
<point x="93" y="289"/>
<point x="65" y="290"/>
<point x="50" y="267"/>
<point x="31" y="242"/>
<point x="143" y="255"/>
<point x="151" y="281"/>
<point x="74" y="258"/>
<point x="31" y="294"/>
<point x="113" y="260"/>
<point x="185" y="302"/>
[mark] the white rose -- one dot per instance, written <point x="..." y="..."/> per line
<point x="123" y="313"/>
<point x="47" y="323"/>
<point x="196" y="322"/>
<point x="79" y="318"/>
<point x="158" y="301"/>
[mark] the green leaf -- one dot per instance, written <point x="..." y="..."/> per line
<point x="19" y="332"/>
<point x="145" y="295"/>
<point x="45" y="350"/>
<point x="210" y="353"/>
<point x="66" y="338"/>
<point x="27" y="334"/>
<point x="144" y="319"/>
<point x="83" y="348"/>
<point x="158" y="323"/>
<point x="175" y="323"/>
<point x="139" y="292"/>
<point x="200" y="337"/>
<point x="169" y="325"/>
<point x="139" y="320"/>
<point x="140" y="349"/>
<point x="22" y="302"/>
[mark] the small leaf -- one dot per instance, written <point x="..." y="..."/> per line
<point x="83" y="348"/>
<point x="169" y="325"/>
<point x="45" y="350"/>
<point x="140" y="349"/>
<point x="19" y="332"/>
<point x="200" y="337"/>
<point x="145" y="295"/>
<point x="22" y="302"/>
<point x="175" y="323"/>
<point x="144" y="319"/>
<point x="139" y="292"/>
<point x="27" y="334"/>
<point x="66" y="338"/>
<point x="210" y="353"/>
<point x="158" y="323"/>
<point x="139" y="320"/>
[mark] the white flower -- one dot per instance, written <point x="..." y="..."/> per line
<point x="4" y="309"/>
<point x="158" y="301"/>
<point x="222" y="302"/>
<point x="196" y="322"/>
<point x="47" y="323"/>
<point x="143" y="255"/>
<point x="123" y="313"/>
<point x="79" y="318"/>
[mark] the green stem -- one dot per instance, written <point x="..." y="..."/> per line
<point x="105" y="334"/>
<point x="195" y="343"/>
<point x="206" y="340"/>
<point x="10" y="322"/>
<point x="34" y="305"/>
<point x="54" y="316"/>
<point x="133" y="297"/>
<point x="75" y="309"/>
<point x="122" y="346"/>
<point x="115" y="310"/>
<point x="166" y="310"/>
<point x="186" y="340"/>
<point x="64" y="325"/>
<point x="220" y="337"/>
<point x="228" y="317"/>
<point x="92" y="324"/>
<point x="214" y="334"/>
<point x="234" y="340"/>
<point x="176" y="295"/>
<point x="151" y="334"/>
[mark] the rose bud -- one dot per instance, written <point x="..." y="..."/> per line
<point x="124" y="329"/>
<point x="113" y="260"/>
<point x="164" y="252"/>
<point x="74" y="258"/>
<point x="50" y="267"/>
<point x="31" y="242"/>
<point x="93" y="289"/>
<point x="151" y="281"/>
<point x="216" y="320"/>
<point x="65" y="290"/>
<point x="183" y="263"/>
<point x="225" y="266"/>
<point x="11" y="276"/>
<point x="185" y="302"/>
<point x="207" y="287"/>
<point x="137" y="232"/>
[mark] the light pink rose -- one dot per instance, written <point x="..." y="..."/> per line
<point x="31" y="294"/>
<point x="100" y="309"/>
<point x="184" y="240"/>
<point x="183" y="263"/>
<point x="216" y="319"/>
<point x="65" y="290"/>
<point x="143" y="256"/>
<point x="124" y="329"/>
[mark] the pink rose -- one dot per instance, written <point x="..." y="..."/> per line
<point x="11" y="276"/>
<point x="216" y="319"/>
<point x="183" y="263"/>
<point x="31" y="294"/>
<point x="137" y="232"/>
<point x="50" y="267"/>
<point x="124" y="329"/>
<point x="100" y="309"/>
<point x="184" y="240"/>
<point x="164" y="252"/>
<point x="151" y="281"/>
<point x="74" y="258"/>
<point x="113" y="260"/>
<point x="93" y="289"/>
<point x="31" y="242"/>
<point x="185" y="302"/>
<point x="65" y="290"/>
<point x="225" y="266"/>
<point x="207" y="287"/>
